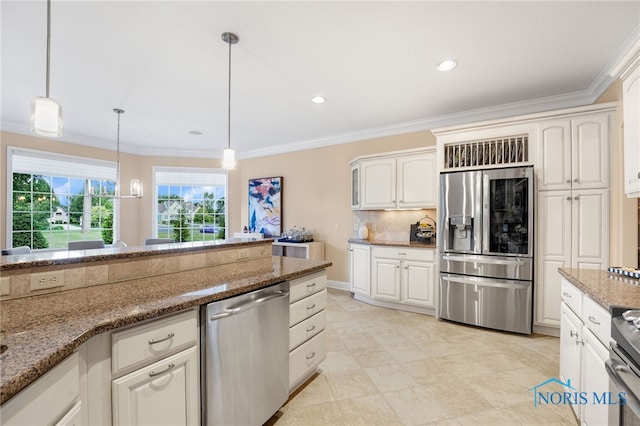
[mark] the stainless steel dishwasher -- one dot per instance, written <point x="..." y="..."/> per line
<point x="245" y="357"/>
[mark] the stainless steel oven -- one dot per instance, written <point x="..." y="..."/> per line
<point x="623" y="367"/>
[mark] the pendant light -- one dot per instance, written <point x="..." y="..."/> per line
<point x="228" y="155"/>
<point x="46" y="113"/>
<point x="135" y="185"/>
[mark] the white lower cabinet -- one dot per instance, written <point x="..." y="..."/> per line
<point x="360" y="269"/>
<point x="307" y="322"/>
<point x="585" y="329"/>
<point x="163" y="393"/>
<point x="158" y="367"/>
<point x="404" y="275"/>
<point x="54" y="399"/>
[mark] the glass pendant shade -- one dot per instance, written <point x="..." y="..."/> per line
<point x="228" y="159"/>
<point x="46" y="117"/>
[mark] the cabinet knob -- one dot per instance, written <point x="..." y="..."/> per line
<point x="573" y="333"/>
<point x="568" y="198"/>
<point x="568" y="181"/>
<point x="576" y="198"/>
<point x="154" y="341"/>
<point x="594" y="320"/>
<point x="580" y="342"/>
<point x="576" y="180"/>
<point x="565" y="294"/>
<point x="638" y="175"/>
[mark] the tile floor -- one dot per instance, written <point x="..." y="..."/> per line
<point x="388" y="367"/>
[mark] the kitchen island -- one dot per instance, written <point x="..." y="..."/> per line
<point x="605" y="288"/>
<point x="39" y="332"/>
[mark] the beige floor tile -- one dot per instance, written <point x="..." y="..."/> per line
<point x="350" y="384"/>
<point x="418" y="405"/>
<point x="368" y="410"/>
<point x="387" y="367"/>
<point x="390" y="377"/>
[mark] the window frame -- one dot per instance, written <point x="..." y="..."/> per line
<point x="186" y="170"/>
<point x="87" y="163"/>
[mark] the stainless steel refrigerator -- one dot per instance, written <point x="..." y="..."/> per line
<point x="486" y="248"/>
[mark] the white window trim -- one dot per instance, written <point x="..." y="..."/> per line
<point x="187" y="170"/>
<point x="90" y="163"/>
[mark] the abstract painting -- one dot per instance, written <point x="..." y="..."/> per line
<point x="265" y="206"/>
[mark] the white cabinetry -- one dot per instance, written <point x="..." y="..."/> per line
<point x="584" y="339"/>
<point x="54" y="399"/>
<point x="394" y="181"/>
<point x="156" y="372"/>
<point x="360" y="269"/>
<point x="404" y="275"/>
<point x="572" y="233"/>
<point x="631" y="114"/>
<point x="572" y="224"/>
<point x="307" y="321"/>
<point x="573" y="153"/>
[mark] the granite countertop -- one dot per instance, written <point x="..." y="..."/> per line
<point x="393" y="243"/>
<point x="42" y="331"/>
<point x="604" y="287"/>
<point x="66" y="257"/>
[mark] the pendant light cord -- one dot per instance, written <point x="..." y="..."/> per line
<point x="229" y="102"/>
<point x="48" y="44"/>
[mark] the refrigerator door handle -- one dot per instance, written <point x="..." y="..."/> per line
<point x="485" y="213"/>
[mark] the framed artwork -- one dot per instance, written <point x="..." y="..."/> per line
<point x="265" y="206"/>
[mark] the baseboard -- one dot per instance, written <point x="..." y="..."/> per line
<point x="547" y="330"/>
<point x="393" y="305"/>
<point x="338" y="285"/>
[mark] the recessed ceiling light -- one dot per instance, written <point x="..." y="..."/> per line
<point x="447" y="65"/>
<point x="318" y="99"/>
<point x="195" y="132"/>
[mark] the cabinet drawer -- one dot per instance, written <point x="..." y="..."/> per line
<point x="400" y="253"/>
<point x="306" y="357"/>
<point x="307" y="285"/>
<point x="597" y="319"/>
<point x="306" y="329"/>
<point x="571" y="296"/>
<point x="145" y="343"/>
<point x="303" y="309"/>
<point x="48" y="398"/>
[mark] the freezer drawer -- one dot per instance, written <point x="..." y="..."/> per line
<point x="486" y="302"/>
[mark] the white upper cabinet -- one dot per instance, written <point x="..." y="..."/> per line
<point x="396" y="180"/>
<point x="573" y="153"/>
<point x="416" y="182"/>
<point x="378" y="183"/>
<point x="631" y="114"/>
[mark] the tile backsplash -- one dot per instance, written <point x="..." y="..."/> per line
<point x="390" y="225"/>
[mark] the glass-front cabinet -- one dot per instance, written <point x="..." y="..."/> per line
<point x="355" y="187"/>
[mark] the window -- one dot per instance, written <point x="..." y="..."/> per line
<point x="51" y="199"/>
<point x="190" y="203"/>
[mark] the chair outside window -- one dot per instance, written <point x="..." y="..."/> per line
<point x="16" y="250"/>
<point x="86" y="245"/>
<point x="153" y="241"/>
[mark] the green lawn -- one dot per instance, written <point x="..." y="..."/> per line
<point x="59" y="239"/>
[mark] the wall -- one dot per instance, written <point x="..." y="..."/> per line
<point x="623" y="228"/>
<point x="135" y="218"/>
<point x="316" y="190"/>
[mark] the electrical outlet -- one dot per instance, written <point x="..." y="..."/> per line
<point x="374" y="228"/>
<point x="5" y="286"/>
<point x="243" y="254"/>
<point x="44" y="280"/>
<point x="337" y="227"/>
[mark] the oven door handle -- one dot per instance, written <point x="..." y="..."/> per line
<point x="616" y="369"/>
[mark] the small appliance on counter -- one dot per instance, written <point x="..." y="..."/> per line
<point x="422" y="231"/>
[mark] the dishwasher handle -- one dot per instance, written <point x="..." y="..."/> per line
<point x="236" y="309"/>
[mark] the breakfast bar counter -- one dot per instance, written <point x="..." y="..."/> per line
<point x="39" y="332"/>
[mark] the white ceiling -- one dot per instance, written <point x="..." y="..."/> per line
<point x="165" y="64"/>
